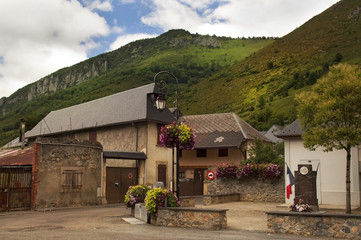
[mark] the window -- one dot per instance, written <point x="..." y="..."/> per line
<point x="92" y="135"/>
<point x="223" y="152"/>
<point x="182" y="174"/>
<point x="201" y="153"/>
<point x="72" y="179"/>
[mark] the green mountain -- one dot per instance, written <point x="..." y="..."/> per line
<point x="256" y="78"/>
<point x="190" y="57"/>
<point x="261" y="88"/>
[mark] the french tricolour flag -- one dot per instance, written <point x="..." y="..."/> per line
<point x="290" y="180"/>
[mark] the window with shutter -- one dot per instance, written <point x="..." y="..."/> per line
<point x="72" y="179"/>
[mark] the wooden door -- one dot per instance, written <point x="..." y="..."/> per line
<point x="118" y="182"/>
<point x="162" y="174"/>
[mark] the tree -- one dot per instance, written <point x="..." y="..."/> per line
<point x="262" y="152"/>
<point x="331" y="114"/>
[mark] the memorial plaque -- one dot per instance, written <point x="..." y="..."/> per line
<point x="305" y="185"/>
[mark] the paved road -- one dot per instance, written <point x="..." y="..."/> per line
<point x="106" y="222"/>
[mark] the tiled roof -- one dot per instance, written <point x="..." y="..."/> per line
<point x="133" y="105"/>
<point x="221" y="130"/>
<point x="272" y="133"/>
<point x="16" y="157"/>
<point x="292" y="130"/>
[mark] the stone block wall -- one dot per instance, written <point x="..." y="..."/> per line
<point x="344" y="226"/>
<point x="221" y="198"/>
<point x="187" y="201"/>
<point x="66" y="173"/>
<point x="211" y="219"/>
<point x="252" y="190"/>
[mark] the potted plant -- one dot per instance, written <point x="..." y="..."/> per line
<point x="157" y="198"/>
<point x="177" y="134"/>
<point x="134" y="195"/>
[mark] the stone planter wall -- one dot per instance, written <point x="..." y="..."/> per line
<point x="140" y="212"/>
<point x="221" y="198"/>
<point x="187" y="201"/>
<point x="192" y="218"/>
<point x="252" y="190"/>
<point x="345" y="226"/>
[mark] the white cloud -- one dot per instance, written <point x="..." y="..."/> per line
<point x="172" y="14"/>
<point x="127" y="38"/>
<point x="117" y="29"/>
<point x="105" y="5"/>
<point x="127" y="1"/>
<point x="30" y="52"/>
<point x="233" y="17"/>
<point x="199" y="4"/>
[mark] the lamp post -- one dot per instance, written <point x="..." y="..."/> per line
<point x="161" y="104"/>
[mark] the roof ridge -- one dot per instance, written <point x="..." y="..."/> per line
<point x="105" y="97"/>
<point x="207" y="114"/>
<point x="239" y="125"/>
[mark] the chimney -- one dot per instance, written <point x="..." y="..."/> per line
<point x="22" y="133"/>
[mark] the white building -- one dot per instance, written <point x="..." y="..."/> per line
<point x="330" y="166"/>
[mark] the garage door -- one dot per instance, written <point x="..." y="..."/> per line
<point x="118" y="182"/>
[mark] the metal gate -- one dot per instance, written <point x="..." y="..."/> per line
<point x="15" y="188"/>
<point x="193" y="187"/>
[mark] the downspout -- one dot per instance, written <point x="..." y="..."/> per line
<point x="101" y="175"/>
<point x="137" y="164"/>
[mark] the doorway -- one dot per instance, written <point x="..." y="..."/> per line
<point x="118" y="180"/>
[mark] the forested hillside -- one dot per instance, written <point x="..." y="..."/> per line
<point x="191" y="57"/>
<point x="261" y="88"/>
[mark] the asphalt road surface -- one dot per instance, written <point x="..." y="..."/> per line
<point x="106" y="222"/>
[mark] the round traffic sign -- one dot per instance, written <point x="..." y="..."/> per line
<point x="130" y="175"/>
<point x="210" y="175"/>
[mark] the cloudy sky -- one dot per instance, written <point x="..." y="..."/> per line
<point x="38" y="37"/>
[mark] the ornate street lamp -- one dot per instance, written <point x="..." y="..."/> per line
<point x="161" y="104"/>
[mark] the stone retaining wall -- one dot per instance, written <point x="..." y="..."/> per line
<point x="345" y="226"/>
<point x="252" y="190"/>
<point x="187" y="201"/>
<point x="192" y="218"/>
<point x="221" y="198"/>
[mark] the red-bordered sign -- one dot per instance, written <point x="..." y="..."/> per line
<point x="130" y="175"/>
<point x="210" y="175"/>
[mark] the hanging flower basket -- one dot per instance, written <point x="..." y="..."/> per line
<point x="177" y="134"/>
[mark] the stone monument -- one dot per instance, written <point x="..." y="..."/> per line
<point x="305" y="185"/>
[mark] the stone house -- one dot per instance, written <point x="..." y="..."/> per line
<point x="126" y="125"/>
<point x="330" y="167"/>
<point x="221" y="137"/>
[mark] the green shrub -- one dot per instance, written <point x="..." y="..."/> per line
<point x="159" y="197"/>
<point x="135" y="194"/>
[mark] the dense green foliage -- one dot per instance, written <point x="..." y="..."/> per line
<point x="135" y="194"/>
<point x="191" y="57"/>
<point x="261" y="88"/>
<point x="256" y="78"/>
<point x="262" y="152"/>
<point x="158" y="197"/>
<point x="330" y="114"/>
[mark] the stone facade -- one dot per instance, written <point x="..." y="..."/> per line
<point x="344" y="226"/>
<point x="252" y="190"/>
<point x="187" y="201"/>
<point x="65" y="173"/>
<point x="211" y="219"/>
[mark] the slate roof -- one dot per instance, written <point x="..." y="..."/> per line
<point x="272" y="133"/>
<point x="222" y="130"/>
<point x="292" y="130"/>
<point x="134" y="105"/>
